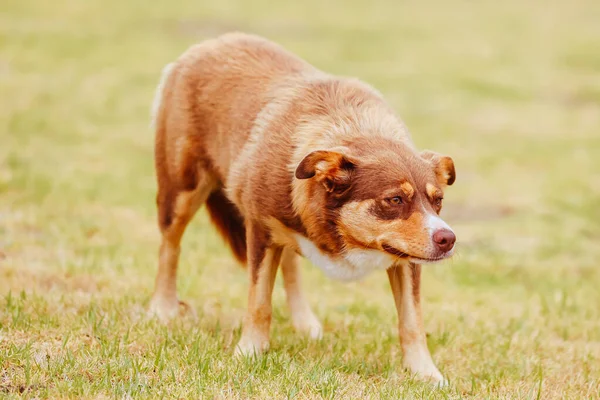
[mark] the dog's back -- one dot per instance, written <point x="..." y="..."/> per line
<point x="210" y="98"/>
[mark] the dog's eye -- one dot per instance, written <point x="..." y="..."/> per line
<point x="438" y="201"/>
<point x="397" y="200"/>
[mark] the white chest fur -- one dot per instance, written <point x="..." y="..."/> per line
<point x="353" y="265"/>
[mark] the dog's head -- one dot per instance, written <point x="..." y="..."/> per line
<point x="382" y="194"/>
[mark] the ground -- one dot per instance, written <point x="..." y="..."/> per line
<point x="510" y="90"/>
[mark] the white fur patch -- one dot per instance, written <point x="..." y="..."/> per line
<point x="157" y="102"/>
<point x="353" y="265"/>
<point x="435" y="223"/>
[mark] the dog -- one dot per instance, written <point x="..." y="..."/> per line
<point x="290" y="161"/>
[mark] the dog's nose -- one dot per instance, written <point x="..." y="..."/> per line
<point x="444" y="239"/>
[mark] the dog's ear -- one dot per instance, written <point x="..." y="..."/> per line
<point x="443" y="166"/>
<point x="332" y="168"/>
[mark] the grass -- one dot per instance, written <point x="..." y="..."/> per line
<point x="510" y="89"/>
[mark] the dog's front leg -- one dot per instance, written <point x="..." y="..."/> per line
<point x="263" y="261"/>
<point x="405" y="279"/>
<point x="302" y="315"/>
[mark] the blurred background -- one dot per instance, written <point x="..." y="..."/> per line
<point x="510" y="90"/>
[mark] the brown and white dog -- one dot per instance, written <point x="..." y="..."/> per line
<point x="290" y="160"/>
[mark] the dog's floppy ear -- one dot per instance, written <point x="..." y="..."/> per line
<point x="443" y="166"/>
<point x="332" y="168"/>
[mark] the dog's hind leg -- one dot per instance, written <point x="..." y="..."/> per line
<point x="183" y="184"/>
<point x="175" y="211"/>
<point x="303" y="318"/>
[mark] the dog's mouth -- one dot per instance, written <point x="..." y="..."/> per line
<point x="400" y="254"/>
<point x="394" y="251"/>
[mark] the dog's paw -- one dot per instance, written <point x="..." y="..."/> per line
<point x="426" y="370"/>
<point x="309" y="325"/>
<point x="165" y="309"/>
<point x="249" y="348"/>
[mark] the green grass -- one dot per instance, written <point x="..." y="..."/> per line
<point x="509" y="89"/>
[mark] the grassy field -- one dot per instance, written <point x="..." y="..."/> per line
<point x="509" y="89"/>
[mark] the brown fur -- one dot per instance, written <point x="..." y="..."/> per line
<point x="279" y="150"/>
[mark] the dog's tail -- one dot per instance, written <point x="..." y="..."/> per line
<point x="230" y="223"/>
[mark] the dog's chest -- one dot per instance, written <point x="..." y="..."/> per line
<point x="353" y="265"/>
